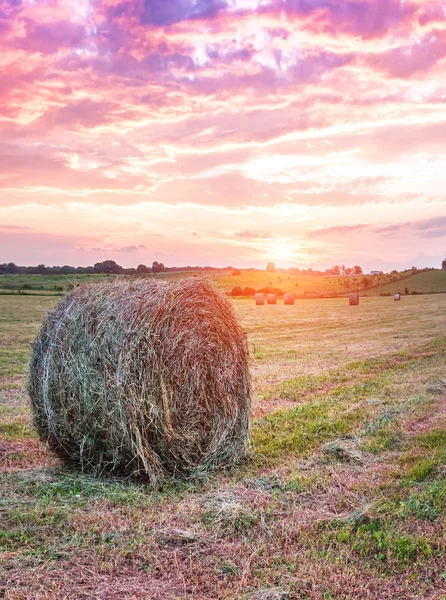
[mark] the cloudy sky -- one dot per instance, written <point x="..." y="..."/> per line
<point x="307" y="132"/>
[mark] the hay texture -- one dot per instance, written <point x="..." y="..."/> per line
<point x="260" y="298"/>
<point x="353" y="299"/>
<point x="271" y="299"/>
<point x="143" y="377"/>
<point x="288" y="299"/>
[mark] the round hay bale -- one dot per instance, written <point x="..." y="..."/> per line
<point x="353" y="299"/>
<point x="288" y="298"/>
<point x="144" y="378"/>
<point x="260" y="298"/>
<point x="271" y="299"/>
<point x="397" y="297"/>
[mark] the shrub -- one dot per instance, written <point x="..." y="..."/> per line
<point x="237" y="291"/>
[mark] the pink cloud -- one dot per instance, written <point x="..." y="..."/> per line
<point x="289" y="116"/>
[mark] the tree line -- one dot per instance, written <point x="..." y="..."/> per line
<point x="108" y="267"/>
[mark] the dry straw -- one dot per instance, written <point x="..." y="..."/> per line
<point x="288" y="298"/>
<point x="143" y="377"/>
<point x="260" y="298"/>
<point x="353" y="299"/>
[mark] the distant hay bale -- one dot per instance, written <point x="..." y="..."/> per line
<point x="288" y="298"/>
<point x="271" y="299"/>
<point x="144" y="378"/>
<point x="397" y="297"/>
<point x="353" y="299"/>
<point x="260" y="299"/>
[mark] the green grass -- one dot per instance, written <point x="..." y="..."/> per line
<point x="44" y="284"/>
<point x="380" y="541"/>
<point x="426" y="282"/>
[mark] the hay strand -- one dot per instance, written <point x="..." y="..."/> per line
<point x="143" y="377"/>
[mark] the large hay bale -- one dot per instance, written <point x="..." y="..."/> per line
<point x="143" y="377"/>
<point x="260" y="298"/>
<point x="271" y="299"/>
<point x="397" y="297"/>
<point x="353" y="299"/>
<point x="288" y="298"/>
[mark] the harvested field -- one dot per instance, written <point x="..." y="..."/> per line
<point x="343" y="495"/>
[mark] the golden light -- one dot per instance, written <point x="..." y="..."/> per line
<point x="282" y="250"/>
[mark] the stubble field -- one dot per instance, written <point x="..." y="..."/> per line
<point x="342" y="496"/>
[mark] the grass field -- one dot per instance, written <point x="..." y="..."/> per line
<point x="343" y="495"/>
<point x="426" y="282"/>
<point x="302" y="286"/>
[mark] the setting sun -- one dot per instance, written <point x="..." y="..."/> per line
<point x="282" y="250"/>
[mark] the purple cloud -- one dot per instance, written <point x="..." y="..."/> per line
<point x="50" y="37"/>
<point x="168" y="12"/>
<point x="368" y="18"/>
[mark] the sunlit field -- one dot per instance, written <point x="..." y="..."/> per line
<point x="301" y="285"/>
<point x="343" y="494"/>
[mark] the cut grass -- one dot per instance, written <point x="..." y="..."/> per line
<point x="293" y="520"/>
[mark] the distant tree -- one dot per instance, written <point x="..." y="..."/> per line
<point x="236" y="272"/>
<point x="443" y="265"/>
<point x="10" y="268"/>
<point x="41" y="269"/>
<point x="237" y="291"/>
<point x="348" y="271"/>
<point x="357" y="270"/>
<point x="108" y="267"/>
<point x="394" y="272"/>
<point x="271" y="267"/>
<point x="406" y="290"/>
<point x="67" y="270"/>
<point x="365" y="281"/>
<point x="336" y="270"/>
<point x="157" y="267"/>
<point x="142" y="269"/>
<point x="249" y="291"/>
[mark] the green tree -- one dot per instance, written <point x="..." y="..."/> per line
<point x="157" y="267"/>
<point x="107" y="266"/>
<point x="142" y="269"/>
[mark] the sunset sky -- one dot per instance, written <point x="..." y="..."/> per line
<point x="223" y="132"/>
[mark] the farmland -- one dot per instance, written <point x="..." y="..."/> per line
<point x="301" y="285"/>
<point x="343" y="494"/>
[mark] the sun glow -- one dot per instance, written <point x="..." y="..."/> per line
<point x="282" y="250"/>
